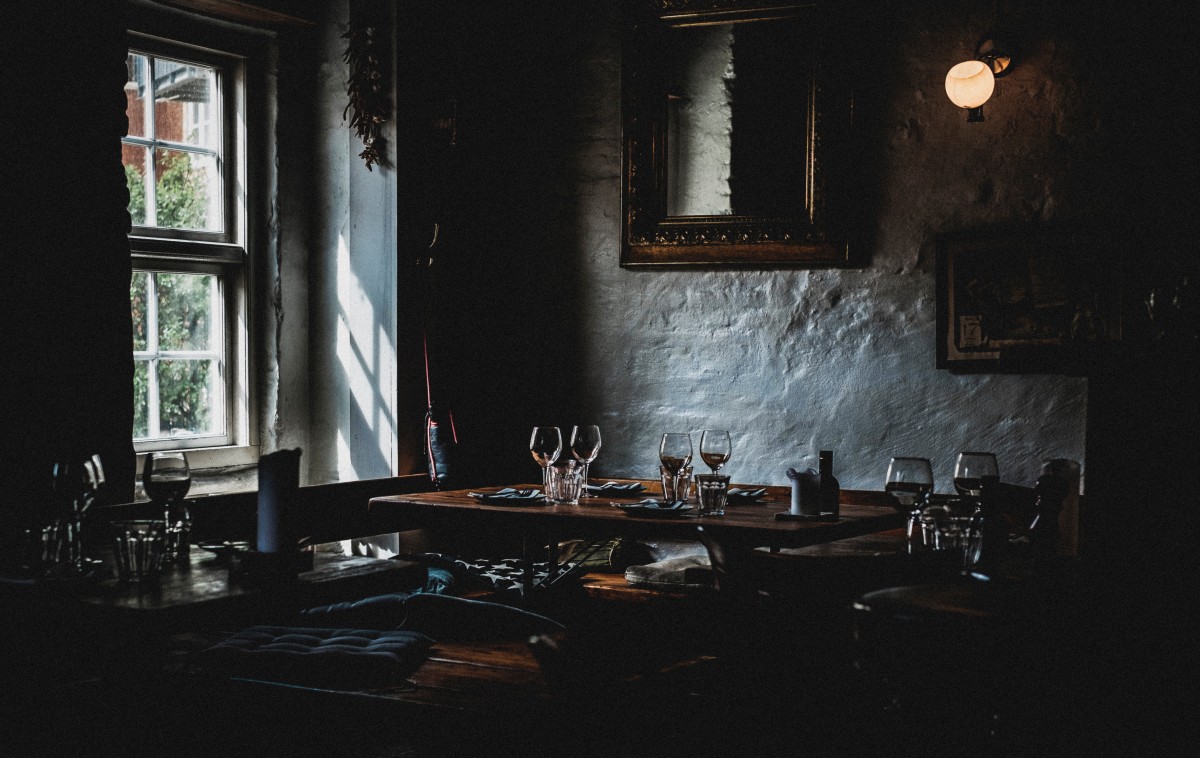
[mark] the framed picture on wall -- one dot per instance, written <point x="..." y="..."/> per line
<point x="1025" y="301"/>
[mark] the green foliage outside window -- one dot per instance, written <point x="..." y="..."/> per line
<point x="181" y="193"/>
<point x="184" y="307"/>
<point x="184" y="322"/>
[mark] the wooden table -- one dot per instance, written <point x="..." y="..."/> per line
<point x="861" y="513"/>
<point x="204" y="593"/>
<point x="78" y="626"/>
<point x="742" y="526"/>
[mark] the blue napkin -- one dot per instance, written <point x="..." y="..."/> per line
<point x="509" y="496"/>
<point x="615" y="488"/>
<point x="746" y="496"/>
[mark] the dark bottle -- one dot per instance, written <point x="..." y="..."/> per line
<point x="992" y="539"/>
<point x="831" y="491"/>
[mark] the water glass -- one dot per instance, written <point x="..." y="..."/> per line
<point x="712" y="490"/>
<point x="675" y="485"/>
<point x="949" y="533"/>
<point x="177" y="536"/>
<point x="564" y="482"/>
<point x="138" y="546"/>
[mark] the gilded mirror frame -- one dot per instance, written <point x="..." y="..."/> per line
<point x="815" y="236"/>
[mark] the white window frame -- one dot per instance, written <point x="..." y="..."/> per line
<point x="223" y="253"/>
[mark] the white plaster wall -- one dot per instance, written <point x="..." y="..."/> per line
<point x="332" y="375"/>
<point x="796" y="361"/>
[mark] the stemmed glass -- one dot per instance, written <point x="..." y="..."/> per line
<point x="675" y="452"/>
<point x="72" y="482"/>
<point x="585" y="446"/>
<point x="545" y="444"/>
<point x="909" y="483"/>
<point x="715" y="448"/>
<point x="166" y="477"/>
<point x="95" y="476"/>
<point x="76" y="484"/>
<point x="972" y="471"/>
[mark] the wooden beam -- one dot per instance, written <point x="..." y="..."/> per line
<point x="273" y="13"/>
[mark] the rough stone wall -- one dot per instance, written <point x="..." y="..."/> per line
<point x="796" y="361"/>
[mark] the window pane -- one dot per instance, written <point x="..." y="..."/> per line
<point x="141" y="399"/>
<point x="137" y="301"/>
<point x="188" y="191"/>
<point x="187" y="390"/>
<point x="134" y="158"/>
<point x="185" y="315"/>
<point x="135" y="90"/>
<point x="185" y="104"/>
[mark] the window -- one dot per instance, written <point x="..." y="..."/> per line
<point x="184" y="159"/>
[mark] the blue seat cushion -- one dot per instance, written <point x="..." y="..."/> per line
<point x="315" y="657"/>
<point x="375" y="612"/>
<point x="449" y="618"/>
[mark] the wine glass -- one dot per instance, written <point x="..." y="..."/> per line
<point x="675" y="451"/>
<point x="585" y="446"/>
<point x="75" y="485"/>
<point x="972" y="471"/>
<point x="166" y="477"/>
<point x="72" y="482"/>
<point x="909" y="482"/>
<point x="95" y="473"/>
<point x="545" y="444"/>
<point x="715" y="448"/>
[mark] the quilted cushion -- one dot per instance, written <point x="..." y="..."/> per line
<point x="341" y="658"/>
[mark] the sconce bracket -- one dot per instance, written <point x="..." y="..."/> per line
<point x="996" y="53"/>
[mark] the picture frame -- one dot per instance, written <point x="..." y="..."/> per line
<point x="1027" y="300"/>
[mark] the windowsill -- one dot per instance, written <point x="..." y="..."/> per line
<point x="215" y="470"/>
<point x="200" y="458"/>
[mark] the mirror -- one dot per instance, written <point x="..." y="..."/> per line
<point x="731" y="128"/>
<point x="736" y="120"/>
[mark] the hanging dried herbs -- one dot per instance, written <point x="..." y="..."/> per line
<point x="367" y="87"/>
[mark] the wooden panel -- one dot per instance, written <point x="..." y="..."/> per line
<point x="276" y="13"/>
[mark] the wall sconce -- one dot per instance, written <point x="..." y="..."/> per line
<point x="969" y="84"/>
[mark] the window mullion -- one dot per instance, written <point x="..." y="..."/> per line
<point x="216" y="339"/>
<point x="151" y="129"/>
<point x="152" y="401"/>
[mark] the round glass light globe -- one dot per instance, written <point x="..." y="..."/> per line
<point x="970" y="83"/>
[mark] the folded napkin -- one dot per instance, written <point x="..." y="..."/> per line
<point x="691" y="572"/>
<point x="615" y="488"/>
<point x="659" y="504"/>
<point x="509" y="496"/>
<point x="745" y="496"/>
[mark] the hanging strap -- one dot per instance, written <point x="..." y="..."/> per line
<point x="430" y="423"/>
